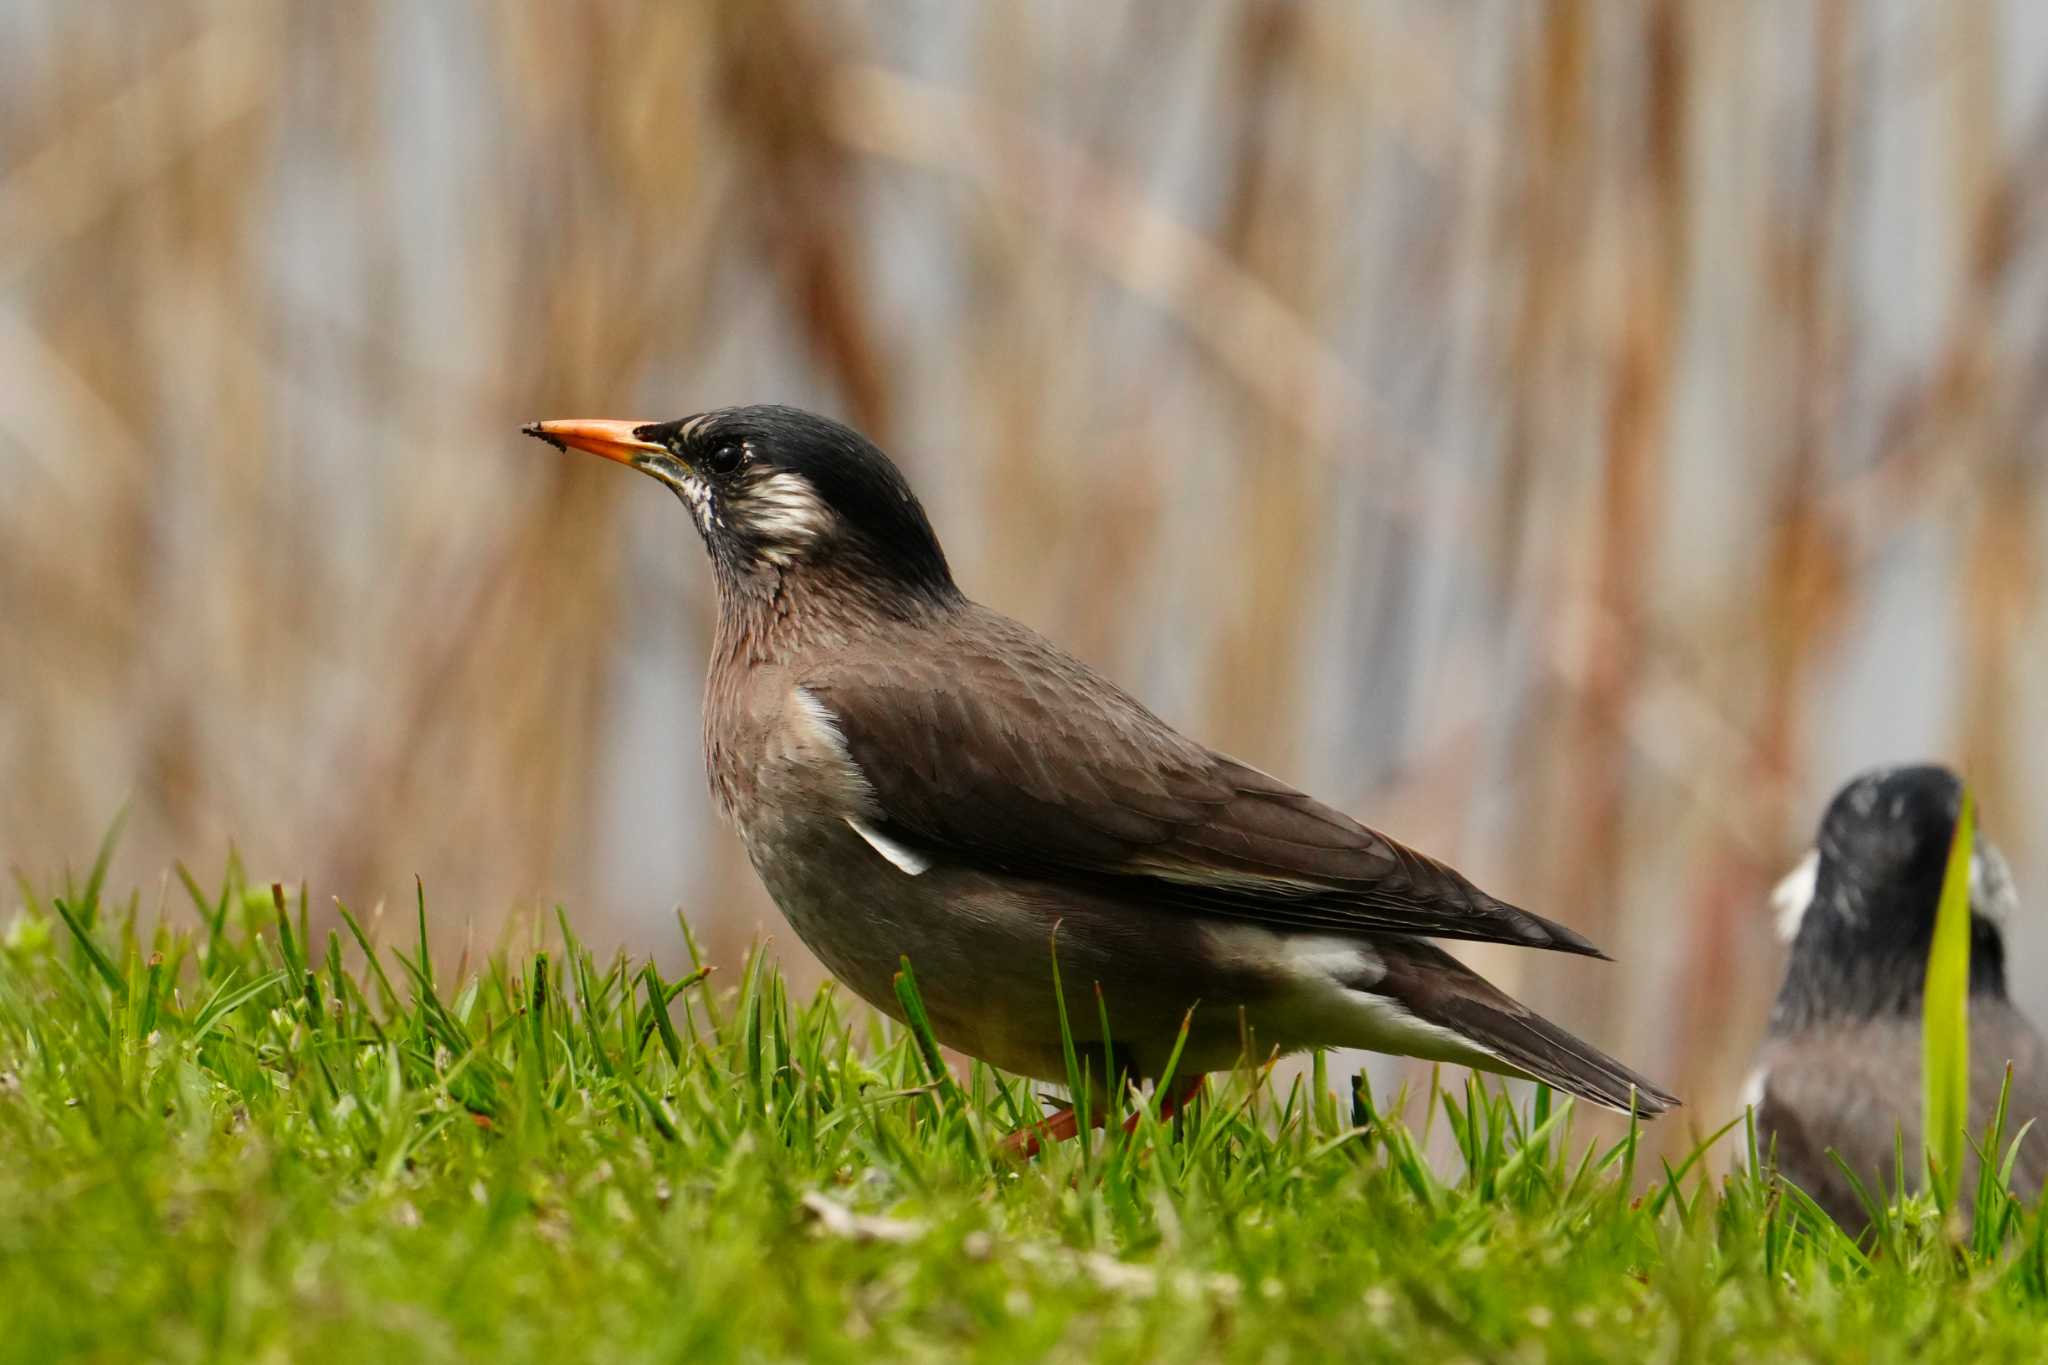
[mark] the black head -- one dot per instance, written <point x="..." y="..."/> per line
<point x="1859" y="911"/>
<point x="773" y="489"/>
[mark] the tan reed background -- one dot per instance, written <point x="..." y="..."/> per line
<point x="1573" y="436"/>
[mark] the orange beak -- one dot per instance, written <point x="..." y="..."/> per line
<point x="613" y="440"/>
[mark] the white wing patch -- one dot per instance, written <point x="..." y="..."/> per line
<point x="1791" y="897"/>
<point x="818" y="736"/>
<point x="816" y="744"/>
<point x="906" y="858"/>
<point x="824" y="725"/>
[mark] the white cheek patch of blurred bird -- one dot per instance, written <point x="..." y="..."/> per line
<point x="1791" y="897"/>
<point x="916" y="776"/>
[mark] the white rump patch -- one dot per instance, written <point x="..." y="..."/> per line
<point x="1334" y="1000"/>
<point x="1792" y="896"/>
<point x="906" y="858"/>
<point x="1389" y="1026"/>
<point x="1319" y="960"/>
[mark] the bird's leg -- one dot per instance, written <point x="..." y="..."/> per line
<point x="1026" y="1142"/>
<point x="1170" y="1106"/>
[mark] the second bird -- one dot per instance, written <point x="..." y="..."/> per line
<point x="917" y="776"/>
<point x="1839" y="1072"/>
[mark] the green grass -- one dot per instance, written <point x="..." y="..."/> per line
<point x="226" y="1137"/>
<point x="1945" y="1018"/>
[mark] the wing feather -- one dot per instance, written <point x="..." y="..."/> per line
<point x="1012" y="754"/>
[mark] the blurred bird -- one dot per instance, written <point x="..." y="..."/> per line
<point x="1840" y="1065"/>
<point x="917" y="776"/>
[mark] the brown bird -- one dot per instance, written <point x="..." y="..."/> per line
<point x="1839" y="1071"/>
<point x="917" y="776"/>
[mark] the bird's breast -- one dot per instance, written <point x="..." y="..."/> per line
<point x="775" y="754"/>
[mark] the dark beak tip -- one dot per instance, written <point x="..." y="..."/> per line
<point x="536" y="430"/>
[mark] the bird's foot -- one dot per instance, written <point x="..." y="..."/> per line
<point x="1028" y="1141"/>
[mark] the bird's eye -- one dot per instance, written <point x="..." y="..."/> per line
<point x="725" y="459"/>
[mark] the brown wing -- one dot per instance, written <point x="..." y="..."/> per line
<point x="992" y="746"/>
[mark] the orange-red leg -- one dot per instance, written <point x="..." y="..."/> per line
<point x="1171" y="1106"/>
<point x="1026" y="1142"/>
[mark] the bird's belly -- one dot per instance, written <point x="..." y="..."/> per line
<point x="982" y="948"/>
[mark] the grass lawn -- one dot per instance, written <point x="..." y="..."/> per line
<point x="222" y="1141"/>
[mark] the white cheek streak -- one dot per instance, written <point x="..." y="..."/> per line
<point x="1992" y="893"/>
<point x="783" y="511"/>
<point x="1791" y="897"/>
<point x="697" y="494"/>
<point x="907" y="859"/>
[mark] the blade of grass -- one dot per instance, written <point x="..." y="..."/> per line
<point x="1077" y="1079"/>
<point x="920" y="1026"/>
<point x="94" y="954"/>
<point x="658" y="997"/>
<point x="225" y="1001"/>
<point x="89" y="904"/>
<point x="1945" y="1021"/>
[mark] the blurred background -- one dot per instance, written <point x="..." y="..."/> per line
<point x="1573" y="437"/>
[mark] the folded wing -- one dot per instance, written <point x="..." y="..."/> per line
<point x="1016" y="756"/>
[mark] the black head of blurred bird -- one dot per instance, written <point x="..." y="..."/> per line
<point x="914" y="775"/>
<point x="1840" y="1065"/>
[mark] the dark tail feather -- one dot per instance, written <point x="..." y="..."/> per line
<point x="1438" y="989"/>
<point x="1542" y="1051"/>
<point x="1557" y="937"/>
